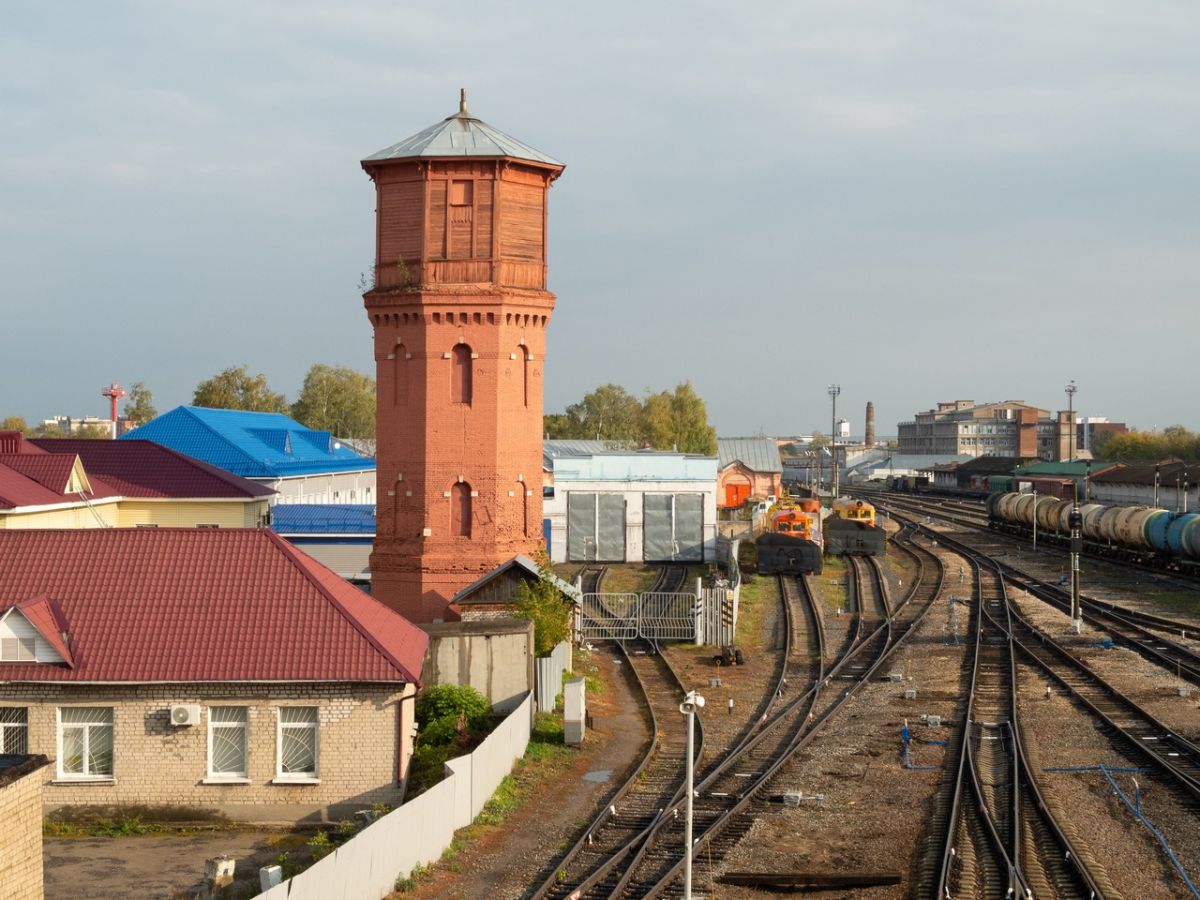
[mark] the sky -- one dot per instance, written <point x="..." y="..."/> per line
<point x="918" y="201"/>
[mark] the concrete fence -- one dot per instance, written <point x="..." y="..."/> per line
<point x="366" y="866"/>
<point x="548" y="674"/>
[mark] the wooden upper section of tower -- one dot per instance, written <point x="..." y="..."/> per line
<point x="460" y="203"/>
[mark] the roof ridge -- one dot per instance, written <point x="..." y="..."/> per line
<point x="293" y="554"/>
<point x="190" y="411"/>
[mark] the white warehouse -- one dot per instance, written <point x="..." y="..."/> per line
<point x="603" y="505"/>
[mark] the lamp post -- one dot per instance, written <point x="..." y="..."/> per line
<point x="688" y="707"/>
<point x="834" y="390"/>
<point x="1071" y="389"/>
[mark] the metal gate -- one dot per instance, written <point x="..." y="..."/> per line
<point x="607" y="617"/>
<point x="595" y="527"/>
<point x="673" y="527"/>
<point x="651" y="616"/>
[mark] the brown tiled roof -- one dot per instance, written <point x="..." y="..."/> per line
<point x="1143" y="473"/>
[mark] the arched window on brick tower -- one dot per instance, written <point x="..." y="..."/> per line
<point x="460" y="510"/>
<point x="523" y="356"/>
<point x="460" y="377"/>
<point x="400" y="376"/>
<point x="524" y="504"/>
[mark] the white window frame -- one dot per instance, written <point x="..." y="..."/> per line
<point x="58" y="734"/>
<point x="312" y="777"/>
<point x="6" y="727"/>
<point x="242" y="777"/>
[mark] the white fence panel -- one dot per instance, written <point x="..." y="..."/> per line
<point x="549" y="671"/>
<point x="366" y="867"/>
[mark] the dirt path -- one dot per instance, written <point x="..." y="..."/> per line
<point x="505" y="862"/>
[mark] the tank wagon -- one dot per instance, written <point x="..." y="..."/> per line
<point x="1138" y="533"/>
<point x="792" y="543"/>
<point x="850" y="528"/>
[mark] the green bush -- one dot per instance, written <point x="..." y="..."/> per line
<point x="453" y="700"/>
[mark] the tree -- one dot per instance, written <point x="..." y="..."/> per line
<point x="542" y="603"/>
<point x="14" y="423"/>
<point x="609" y="413"/>
<point x="558" y="426"/>
<point x="236" y="388"/>
<point x="1174" y="441"/>
<point x="139" y="408"/>
<point x="678" y="421"/>
<point x="819" y="442"/>
<point x="338" y="400"/>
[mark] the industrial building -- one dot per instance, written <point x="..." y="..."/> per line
<point x="1008" y="428"/>
<point x="747" y="469"/>
<point x="629" y="505"/>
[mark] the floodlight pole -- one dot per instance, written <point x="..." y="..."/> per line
<point x="688" y="707"/>
<point x="1071" y="389"/>
<point x="834" y="390"/>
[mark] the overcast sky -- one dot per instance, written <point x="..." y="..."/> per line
<point x="920" y="201"/>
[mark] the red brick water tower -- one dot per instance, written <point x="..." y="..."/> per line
<point x="460" y="310"/>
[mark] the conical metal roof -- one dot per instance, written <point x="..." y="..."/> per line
<point x="462" y="135"/>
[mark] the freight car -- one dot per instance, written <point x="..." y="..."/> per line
<point x="851" y="529"/>
<point x="792" y="542"/>
<point x="1137" y="533"/>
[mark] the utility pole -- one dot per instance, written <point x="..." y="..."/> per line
<point x="1076" y="522"/>
<point x="834" y="390"/>
<point x="1071" y="389"/>
<point x="1156" y="484"/>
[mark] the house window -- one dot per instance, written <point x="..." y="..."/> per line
<point x="14" y="730"/>
<point x="227" y="740"/>
<point x="460" y="377"/>
<point x="297" y="742"/>
<point x="85" y="742"/>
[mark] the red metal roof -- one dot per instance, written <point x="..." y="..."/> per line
<point x="52" y="471"/>
<point x="17" y="490"/>
<point x="178" y="605"/>
<point x="134" y="468"/>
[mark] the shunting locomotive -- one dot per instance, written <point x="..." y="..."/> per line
<point x="793" y="540"/>
<point x="851" y="528"/>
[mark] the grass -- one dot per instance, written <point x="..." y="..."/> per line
<point x="127" y="826"/>
<point x="629" y="579"/>
<point x="585" y="665"/>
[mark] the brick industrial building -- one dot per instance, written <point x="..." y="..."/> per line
<point x="1009" y="428"/>
<point x="460" y="309"/>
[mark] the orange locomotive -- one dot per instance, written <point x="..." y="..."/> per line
<point x="793" y="539"/>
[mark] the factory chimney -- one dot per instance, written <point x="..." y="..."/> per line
<point x="870" y="436"/>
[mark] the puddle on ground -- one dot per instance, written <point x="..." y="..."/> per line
<point x="600" y="775"/>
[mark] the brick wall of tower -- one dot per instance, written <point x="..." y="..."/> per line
<point x="475" y="279"/>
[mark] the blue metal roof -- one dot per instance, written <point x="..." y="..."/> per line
<point x="250" y="444"/>
<point x="323" y="518"/>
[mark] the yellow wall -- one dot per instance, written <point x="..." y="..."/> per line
<point x="128" y="513"/>
<point x="75" y="517"/>
<point x="165" y="514"/>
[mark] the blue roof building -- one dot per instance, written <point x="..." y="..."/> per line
<point x="303" y="465"/>
<point x="338" y="535"/>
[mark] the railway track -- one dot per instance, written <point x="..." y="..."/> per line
<point x="1171" y="756"/>
<point x="1003" y="840"/>
<point x="596" y="864"/>
<point x="723" y="802"/>
<point x="1144" y="633"/>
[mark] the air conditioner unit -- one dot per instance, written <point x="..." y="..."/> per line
<point x="185" y="714"/>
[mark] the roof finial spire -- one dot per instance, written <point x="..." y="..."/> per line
<point x="462" y="102"/>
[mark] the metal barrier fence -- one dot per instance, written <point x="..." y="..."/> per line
<point x="548" y="672"/>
